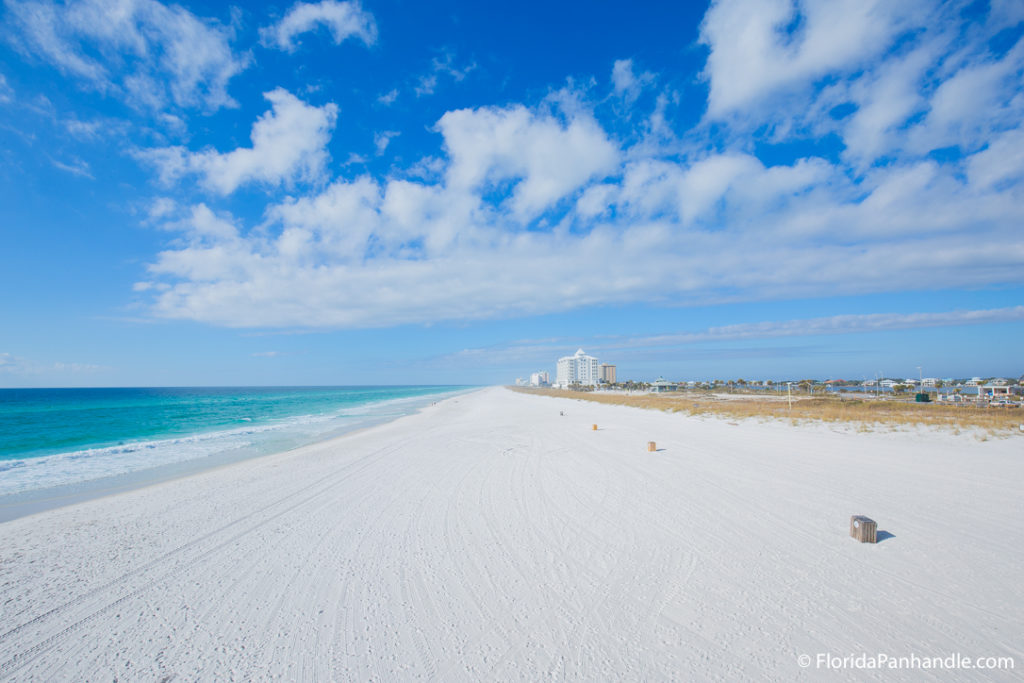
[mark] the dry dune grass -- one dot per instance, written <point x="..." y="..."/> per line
<point x="868" y="413"/>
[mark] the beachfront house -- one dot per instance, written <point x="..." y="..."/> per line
<point x="661" y="384"/>
<point x="993" y="391"/>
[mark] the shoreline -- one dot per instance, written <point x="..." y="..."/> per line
<point x="26" y="503"/>
<point x="494" y="536"/>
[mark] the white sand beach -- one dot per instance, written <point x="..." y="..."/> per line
<point x="489" y="538"/>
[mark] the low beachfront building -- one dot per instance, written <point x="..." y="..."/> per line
<point x="661" y="384"/>
<point x="578" y="369"/>
<point x="996" y="391"/>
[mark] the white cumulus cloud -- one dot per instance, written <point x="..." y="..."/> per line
<point x="628" y="83"/>
<point x="532" y="209"/>
<point x="288" y="145"/>
<point x="548" y="158"/>
<point x="759" y="47"/>
<point x="343" y="20"/>
<point x="145" y="52"/>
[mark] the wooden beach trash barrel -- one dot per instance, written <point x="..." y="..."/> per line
<point x="864" y="529"/>
<point x="595" y="427"/>
<point x="651" y="447"/>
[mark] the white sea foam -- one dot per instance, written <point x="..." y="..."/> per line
<point x="74" y="467"/>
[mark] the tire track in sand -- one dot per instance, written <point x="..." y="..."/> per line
<point x="154" y="572"/>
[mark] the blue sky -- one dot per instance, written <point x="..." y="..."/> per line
<point x="451" y="192"/>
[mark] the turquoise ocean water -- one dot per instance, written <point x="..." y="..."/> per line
<point x="64" y="437"/>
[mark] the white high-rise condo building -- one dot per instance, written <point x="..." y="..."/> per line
<point x="578" y="368"/>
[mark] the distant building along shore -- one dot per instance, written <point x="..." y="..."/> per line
<point x="583" y="372"/>
<point x="578" y="369"/>
<point x="606" y="373"/>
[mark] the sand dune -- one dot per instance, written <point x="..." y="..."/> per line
<point x="491" y="538"/>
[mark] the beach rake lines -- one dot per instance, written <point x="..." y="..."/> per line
<point x="458" y="577"/>
<point x="307" y="538"/>
<point x="770" y="521"/>
<point x="459" y="537"/>
<point x="346" y="633"/>
<point x="560" y="588"/>
<point x="175" y="556"/>
<point x="421" y="606"/>
<point x="669" y="585"/>
<point x="497" y="601"/>
<point x="548" y="604"/>
<point x="615" y="579"/>
<point x="763" y="519"/>
<point x="384" y="605"/>
<point x="563" y="512"/>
